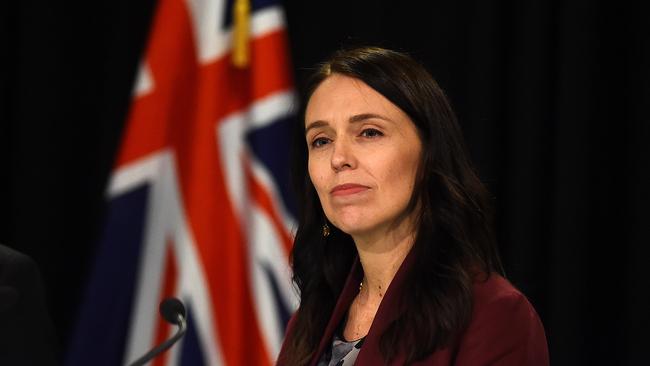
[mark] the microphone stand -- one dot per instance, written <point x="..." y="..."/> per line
<point x="182" y="327"/>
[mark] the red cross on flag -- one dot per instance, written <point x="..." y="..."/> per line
<point x="199" y="205"/>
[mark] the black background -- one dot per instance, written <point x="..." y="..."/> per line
<point x="551" y="96"/>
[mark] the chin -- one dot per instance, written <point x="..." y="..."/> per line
<point x="352" y="227"/>
<point x="353" y="221"/>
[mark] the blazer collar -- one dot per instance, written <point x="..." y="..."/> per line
<point x="387" y="312"/>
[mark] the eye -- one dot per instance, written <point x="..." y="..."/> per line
<point x="371" y="132"/>
<point x="319" y="142"/>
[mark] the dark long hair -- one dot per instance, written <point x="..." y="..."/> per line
<point x="454" y="241"/>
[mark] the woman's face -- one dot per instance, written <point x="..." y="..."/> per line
<point x="363" y="156"/>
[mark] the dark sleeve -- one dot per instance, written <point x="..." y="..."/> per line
<point x="504" y="331"/>
<point x="288" y="332"/>
<point x="26" y="331"/>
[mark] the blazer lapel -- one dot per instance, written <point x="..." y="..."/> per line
<point x="349" y="292"/>
<point x="388" y="311"/>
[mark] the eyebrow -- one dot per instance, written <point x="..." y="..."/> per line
<point x="354" y="119"/>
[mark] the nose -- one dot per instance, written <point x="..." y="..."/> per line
<point x="343" y="156"/>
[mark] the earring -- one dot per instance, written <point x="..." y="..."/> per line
<point x="325" y="230"/>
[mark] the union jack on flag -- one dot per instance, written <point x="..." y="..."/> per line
<point x="198" y="202"/>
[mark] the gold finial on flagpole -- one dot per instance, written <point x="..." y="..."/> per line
<point x="241" y="33"/>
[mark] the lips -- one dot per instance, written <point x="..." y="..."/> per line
<point x="347" y="189"/>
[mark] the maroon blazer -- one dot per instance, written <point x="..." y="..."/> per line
<point x="505" y="329"/>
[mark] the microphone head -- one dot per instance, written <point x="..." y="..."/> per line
<point x="170" y="308"/>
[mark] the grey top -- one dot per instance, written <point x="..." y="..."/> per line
<point x="342" y="352"/>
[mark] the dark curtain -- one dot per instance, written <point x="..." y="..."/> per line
<point x="551" y="96"/>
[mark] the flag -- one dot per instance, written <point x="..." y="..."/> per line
<point x="198" y="202"/>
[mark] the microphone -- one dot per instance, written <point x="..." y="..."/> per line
<point x="173" y="311"/>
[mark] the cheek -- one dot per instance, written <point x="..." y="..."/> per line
<point x="402" y="175"/>
<point x="316" y="175"/>
<point x="318" y="180"/>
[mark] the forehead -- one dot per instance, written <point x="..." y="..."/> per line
<point x="340" y="96"/>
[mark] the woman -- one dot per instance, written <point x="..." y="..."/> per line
<point x="394" y="257"/>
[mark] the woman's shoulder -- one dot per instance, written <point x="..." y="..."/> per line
<point x="505" y="328"/>
<point x="497" y="304"/>
<point x="494" y="287"/>
<point x="497" y="300"/>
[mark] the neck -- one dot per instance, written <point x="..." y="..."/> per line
<point x="381" y="256"/>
